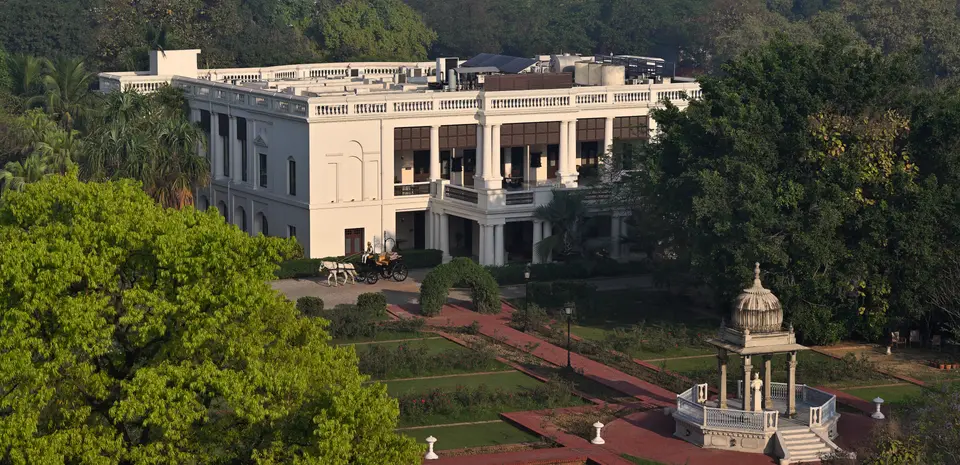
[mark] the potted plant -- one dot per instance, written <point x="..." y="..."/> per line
<point x="940" y="364"/>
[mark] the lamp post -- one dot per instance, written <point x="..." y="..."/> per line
<point x="568" y="310"/>
<point x="526" y="285"/>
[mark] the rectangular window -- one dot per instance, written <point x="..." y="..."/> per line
<point x="291" y="177"/>
<point x="291" y="231"/>
<point x="242" y="137"/>
<point x="243" y="162"/>
<point x="226" y="155"/>
<point x="353" y="241"/>
<point x="263" y="170"/>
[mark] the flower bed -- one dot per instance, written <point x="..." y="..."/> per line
<point x="408" y="360"/>
<point x="463" y="404"/>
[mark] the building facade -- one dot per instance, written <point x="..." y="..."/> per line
<point x="341" y="154"/>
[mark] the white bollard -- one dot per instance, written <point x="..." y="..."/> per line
<point x="888" y="350"/>
<point x="598" y="439"/>
<point x="878" y="415"/>
<point x="431" y="455"/>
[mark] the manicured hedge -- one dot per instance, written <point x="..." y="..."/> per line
<point x="372" y="302"/>
<point x="582" y="269"/>
<point x="310" y="306"/>
<point x="484" y="290"/>
<point x="310" y="267"/>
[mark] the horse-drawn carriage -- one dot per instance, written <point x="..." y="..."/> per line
<point x="388" y="265"/>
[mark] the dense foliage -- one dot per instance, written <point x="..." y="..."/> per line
<point x="436" y="285"/>
<point x="137" y="334"/>
<point x="823" y="162"/>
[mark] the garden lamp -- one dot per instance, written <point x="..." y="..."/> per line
<point x="526" y="285"/>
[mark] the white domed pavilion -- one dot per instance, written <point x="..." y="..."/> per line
<point x="805" y="418"/>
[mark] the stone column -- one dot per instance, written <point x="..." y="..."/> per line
<point x="767" y="377"/>
<point x="215" y="158"/>
<point x="387" y="162"/>
<point x="490" y="244"/>
<point x="572" y="153"/>
<point x="547" y="232"/>
<point x="792" y="385"/>
<point x="747" y="369"/>
<point x="252" y="174"/>
<point x="482" y="244"/>
<point x="445" y="236"/>
<point x="496" y="169"/>
<point x="615" y="233"/>
<point x="607" y="134"/>
<point x="428" y="229"/>
<point x="434" y="153"/>
<point x="537" y="237"/>
<point x="498" y="252"/>
<point x="722" y="361"/>
<point x="563" y="158"/>
<point x="484" y="169"/>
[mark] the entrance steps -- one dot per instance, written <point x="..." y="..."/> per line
<point x="803" y="445"/>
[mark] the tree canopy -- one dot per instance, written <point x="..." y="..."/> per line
<point x="819" y="161"/>
<point x="135" y="334"/>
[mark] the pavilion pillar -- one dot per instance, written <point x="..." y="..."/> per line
<point x="747" y="370"/>
<point x="792" y="385"/>
<point x="722" y="361"/>
<point x="767" y="377"/>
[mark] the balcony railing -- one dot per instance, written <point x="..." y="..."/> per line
<point x="463" y="195"/>
<point x="691" y="407"/>
<point x="417" y="188"/>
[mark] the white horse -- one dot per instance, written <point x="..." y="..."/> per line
<point x="335" y="269"/>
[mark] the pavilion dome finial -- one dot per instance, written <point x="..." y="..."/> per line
<point x="756" y="309"/>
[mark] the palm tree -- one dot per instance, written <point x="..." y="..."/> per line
<point x="67" y="86"/>
<point x="151" y="140"/>
<point x="16" y="174"/>
<point x="26" y="79"/>
<point x="60" y="150"/>
<point x="567" y="213"/>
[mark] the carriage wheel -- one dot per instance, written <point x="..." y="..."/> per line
<point x="385" y="272"/>
<point x="400" y="272"/>
<point x="372" y="277"/>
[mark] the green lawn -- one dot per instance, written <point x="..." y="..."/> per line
<point x="889" y="394"/>
<point x="461" y="437"/>
<point x="433" y="345"/>
<point x="513" y="380"/>
<point x="640" y="461"/>
<point x="384" y="336"/>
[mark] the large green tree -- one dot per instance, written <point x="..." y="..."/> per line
<point x="135" y="334"/>
<point x="799" y="158"/>
<point x="387" y="30"/>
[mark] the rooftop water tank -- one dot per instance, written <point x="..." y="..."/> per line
<point x="613" y="75"/>
<point x="581" y="73"/>
<point x="563" y="63"/>
<point x="595" y="74"/>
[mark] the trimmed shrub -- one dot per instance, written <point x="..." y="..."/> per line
<point x="349" y="322"/>
<point x="484" y="291"/>
<point x="404" y="325"/>
<point x="310" y="267"/>
<point x="410" y="359"/>
<point x="374" y="303"/>
<point x="310" y="306"/>
<point x="529" y="318"/>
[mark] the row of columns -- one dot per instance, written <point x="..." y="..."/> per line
<point x="489" y="157"/>
<point x="722" y="359"/>
<point x="226" y="158"/>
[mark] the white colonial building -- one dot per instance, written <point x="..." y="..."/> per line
<point x="339" y="154"/>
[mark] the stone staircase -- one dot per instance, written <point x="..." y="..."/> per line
<point x="803" y="445"/>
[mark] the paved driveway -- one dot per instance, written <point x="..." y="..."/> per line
<point x="409" y="290"/>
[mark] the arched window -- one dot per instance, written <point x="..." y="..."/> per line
<point x="241" y="219"/>
<point x="222" y="206"/>
<point x="262" y="226"/>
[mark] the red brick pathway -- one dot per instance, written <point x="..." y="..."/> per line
<point x="646" y="434"/>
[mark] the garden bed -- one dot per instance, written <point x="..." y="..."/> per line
<point x="511" y="380"/>
<point x="423" y="358"/>
<point x="479" y="435"/>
